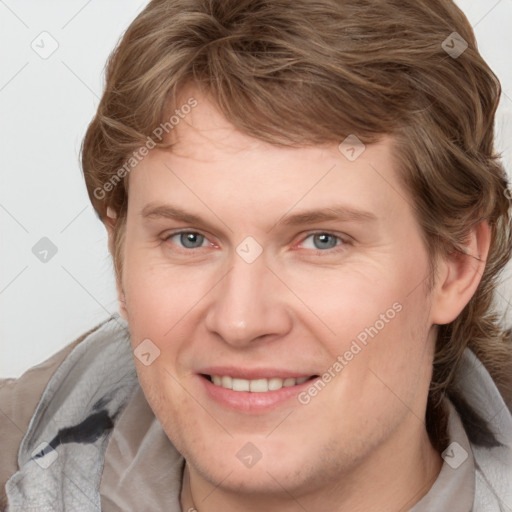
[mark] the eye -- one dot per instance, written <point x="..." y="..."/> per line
<point x="322" y="241"/>
<point x="187" y="239"/>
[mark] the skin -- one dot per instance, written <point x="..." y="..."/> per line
<point x="361" y="443"/>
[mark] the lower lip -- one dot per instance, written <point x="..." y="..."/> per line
<point x="250" y="402"/>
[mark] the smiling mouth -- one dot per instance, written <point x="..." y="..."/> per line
<point x="255" y="385"/>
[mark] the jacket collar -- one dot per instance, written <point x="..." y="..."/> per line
<point x="493" y="463"/>
<point x="61" y="456"/>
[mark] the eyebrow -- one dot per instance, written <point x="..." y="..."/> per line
<point x="335" y="213"/>
<point x="338" y="213"/>
<point x="167" y="211"/>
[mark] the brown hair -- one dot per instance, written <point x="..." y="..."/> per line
<point x="296" y="72"/>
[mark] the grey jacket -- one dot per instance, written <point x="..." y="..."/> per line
<point x="89" y="441"/>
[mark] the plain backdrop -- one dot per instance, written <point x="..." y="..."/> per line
<point x="51" y="76"/>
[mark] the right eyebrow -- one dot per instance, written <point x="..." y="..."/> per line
<point x="155" y="211"/>
<point x="168" y="211"/>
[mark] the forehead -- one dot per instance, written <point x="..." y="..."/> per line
<point x="213" y="161"/>
<point x="204" y="133"/>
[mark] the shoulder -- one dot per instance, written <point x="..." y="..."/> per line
<point x="18" y="400"/>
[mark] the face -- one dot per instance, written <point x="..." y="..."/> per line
<point x="247" y="264"/>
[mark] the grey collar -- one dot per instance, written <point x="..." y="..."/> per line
<point x="61" y="456"/>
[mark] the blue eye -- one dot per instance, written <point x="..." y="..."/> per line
<point x="188" y="239"/>
<point x="321" y="241"/>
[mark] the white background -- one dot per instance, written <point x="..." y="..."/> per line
<point x="45" y="107"/>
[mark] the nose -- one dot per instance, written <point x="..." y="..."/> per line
<point x="248" y="304"/>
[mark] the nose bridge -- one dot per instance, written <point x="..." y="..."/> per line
<point x="246" y="303"/>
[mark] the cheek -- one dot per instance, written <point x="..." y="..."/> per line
<point x="157" y="293"/>
<point x="374" y="327"/>
<point x="349" y="304"/>
<point x="174" y="409"/>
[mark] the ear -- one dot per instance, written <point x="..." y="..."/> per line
<point x="109" y="222"/>
<point x="459" y="276"/>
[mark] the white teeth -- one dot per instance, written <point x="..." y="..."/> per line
<point x="256" y="385"/>
<point x="275" y="383"/>
<point x="241" y="385"/>
<point x="226" y="382"/>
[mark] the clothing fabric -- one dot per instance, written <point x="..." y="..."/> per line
<point x="87" y="440"/>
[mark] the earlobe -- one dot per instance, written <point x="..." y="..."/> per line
<point x="109" y="220"/>
<point x="459" y="276"/>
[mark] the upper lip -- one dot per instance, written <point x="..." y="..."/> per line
<point x="254" y="373"/>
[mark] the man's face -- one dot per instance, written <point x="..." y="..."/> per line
<point x="298" y="263"/>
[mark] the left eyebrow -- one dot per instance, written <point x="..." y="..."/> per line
<point x="336" y="213"/>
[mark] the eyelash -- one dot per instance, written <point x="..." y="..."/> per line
<point x="338" y="247"/>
